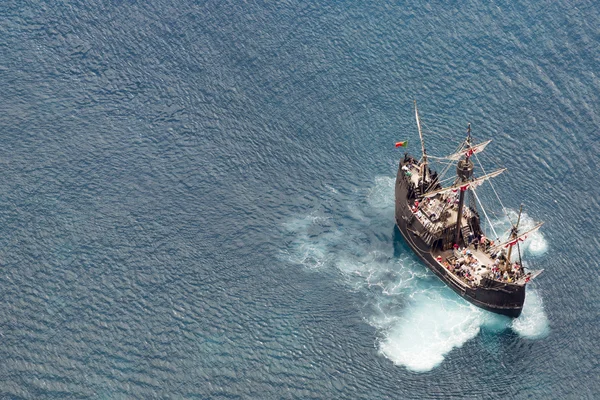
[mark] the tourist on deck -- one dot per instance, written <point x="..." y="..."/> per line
<point x="517" y="270"/>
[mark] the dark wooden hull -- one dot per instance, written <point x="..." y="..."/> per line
<point x="501" y="298"/>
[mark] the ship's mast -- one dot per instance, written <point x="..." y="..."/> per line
<point x="514" y="232"/>
<point x="424" y="162"/>
<point x="464" y="170"/>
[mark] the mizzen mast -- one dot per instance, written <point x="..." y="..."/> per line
<point x="514" y="232"/>
<point x="514" y="238"/>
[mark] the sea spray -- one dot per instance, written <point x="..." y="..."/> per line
<point x="533" y="322"/>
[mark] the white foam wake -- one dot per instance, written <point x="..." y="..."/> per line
<point x="533" y="322"/>
<point x="419" y="319"/>
<point x="427" y="330"/>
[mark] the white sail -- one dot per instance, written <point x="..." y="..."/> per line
<point x="512" y="241"/>
<point x="465" y="185"/>
<point x="468" y="152"/>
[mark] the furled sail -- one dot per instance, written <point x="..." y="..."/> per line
<point x="520" y="238"/>
<point x="468" y="152"/>
<point x="465" y="185"/>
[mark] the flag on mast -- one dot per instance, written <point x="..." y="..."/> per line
<point x="402" y="144"/>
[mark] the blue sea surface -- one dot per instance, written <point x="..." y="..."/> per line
<point x="196" y="198"/>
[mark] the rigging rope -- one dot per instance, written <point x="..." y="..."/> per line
<point x="486" y="216"/>
<point x="447" y="180"/>
<point x="496" y="193"/>
<point x="447" y="167"/>
<point x="520" y="261"/>
<point x="441" y="159"/>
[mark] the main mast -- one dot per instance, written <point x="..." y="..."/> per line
<point x="464" y="170"/>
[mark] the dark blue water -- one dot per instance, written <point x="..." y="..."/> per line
<point x="197" y="197"/>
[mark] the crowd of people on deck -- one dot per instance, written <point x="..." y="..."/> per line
<point x="464" y="265"/>
<point x="467" y="267"/>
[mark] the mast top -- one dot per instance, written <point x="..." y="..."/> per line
<point x="469" y="133"/>
<point x="469" y="152"/>
<point x="516" y="227"/>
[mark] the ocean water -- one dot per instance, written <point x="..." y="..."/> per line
<point x="197" y="198"/>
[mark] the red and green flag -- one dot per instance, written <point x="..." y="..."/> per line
<point x="402" y="144"/>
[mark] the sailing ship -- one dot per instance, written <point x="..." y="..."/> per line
<point x="442" y="225"/>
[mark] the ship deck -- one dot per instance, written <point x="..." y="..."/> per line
<point x="480" y="267"/>
<point x="441" y="211"/>
<point x="436" y="212"/>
